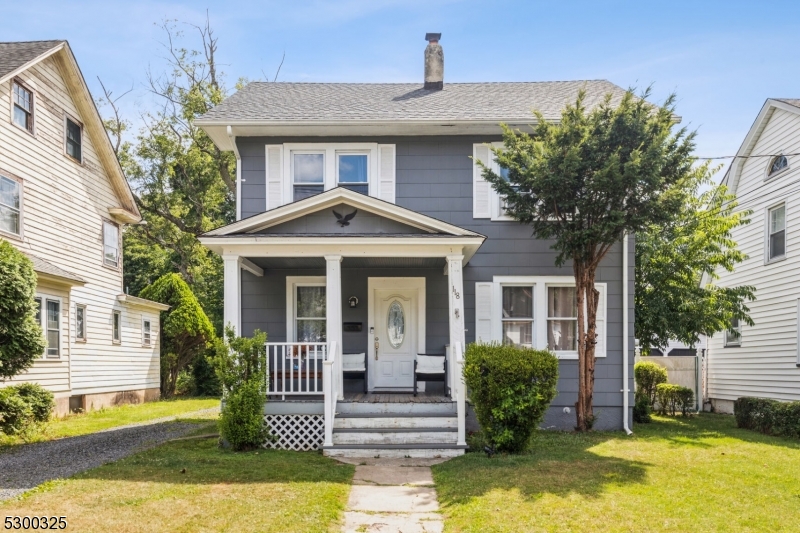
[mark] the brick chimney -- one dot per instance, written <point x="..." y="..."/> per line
<point x="434" y="62"/>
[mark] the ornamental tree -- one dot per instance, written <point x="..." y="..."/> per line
<point x="186" y="331"/>
<point x="586" y="181"/>
<point x="677" y="264"/>
<point x="21" y="338"/>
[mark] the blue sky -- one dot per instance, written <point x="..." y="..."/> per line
<point x="722" y="58"/>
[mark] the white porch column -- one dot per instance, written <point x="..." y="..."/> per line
<point x="333" y="298"/>
<point x="456" y="280"/>
<point x="232" y="307"/>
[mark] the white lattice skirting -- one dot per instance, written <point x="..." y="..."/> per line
<point x="296" y="432"/>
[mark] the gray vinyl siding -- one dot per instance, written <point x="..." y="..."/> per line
<point x="434" y="177"/>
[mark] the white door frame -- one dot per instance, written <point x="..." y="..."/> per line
<point x="399" y="284"/>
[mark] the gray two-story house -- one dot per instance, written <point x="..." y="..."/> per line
<point x="370" y="249"/>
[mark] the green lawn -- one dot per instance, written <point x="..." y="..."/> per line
<point x="697" y="474"/>
<point x="93" y="421"/>
<point x="193" y="485"/>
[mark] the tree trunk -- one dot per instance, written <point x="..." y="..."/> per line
<point x="587" y="300"/>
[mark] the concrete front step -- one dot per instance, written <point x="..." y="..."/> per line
<point x="439" y="436"/>
<point x="399" y="451"/>
<point x="420" y="409"/>
<point x="388" y="421"/>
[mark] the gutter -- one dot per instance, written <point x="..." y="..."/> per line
<point x="232" y="137"/>
<point x="625" y="390"/>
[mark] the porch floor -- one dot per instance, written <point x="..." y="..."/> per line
<point x="389" y="397"/>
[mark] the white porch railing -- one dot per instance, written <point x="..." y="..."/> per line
<point x="330" y="383"/>
<point x="460" y="393"/>
<point x="295" y="368"/>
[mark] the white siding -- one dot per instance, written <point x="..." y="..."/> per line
<point x="64" y="205"/>
<point x="766" y="362"/>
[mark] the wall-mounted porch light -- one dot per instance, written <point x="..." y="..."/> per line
<point x="353" y="302"/>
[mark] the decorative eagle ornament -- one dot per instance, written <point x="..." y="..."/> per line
<point x="344" y="220"/>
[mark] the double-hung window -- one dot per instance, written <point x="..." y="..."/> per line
<point x="23" y="106"/>
<point x="733" y="335"/>
<point x="310" y="314"/>
<point x="48" y="315"/>
<point x="562" y="319"/>
<point x="146" y="334"/>
<point x="10" y="205"/>
<point x="352" y="171"/>
<point x="73" y="138"/>
<point x="777" y="232"/>
<point x="308" y="174"/>
<point x="110" y="244"/>
<point x="518" y="315"/>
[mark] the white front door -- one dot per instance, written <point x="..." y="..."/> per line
<point x="394" y="340"/>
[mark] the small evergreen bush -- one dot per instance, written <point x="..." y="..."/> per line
<point x="15" y="413"/>
<point x="241" y="423"/>
<point x="641" y="409"/>
<point x="648" y="376"/>
<point x="672" y="398"/>
<point x="511" y="388"/>
<point x="768" y="416"/>
<point x="38" y="398"/>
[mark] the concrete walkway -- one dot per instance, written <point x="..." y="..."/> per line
<point x="393" y="496"/>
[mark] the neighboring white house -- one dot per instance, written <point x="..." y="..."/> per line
<point x="764" y="360"/>
<point x="64" y="202"/>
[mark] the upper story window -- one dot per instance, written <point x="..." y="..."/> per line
<point x="146" y="334"/>
<point x="74" y="139"/>
<point x="110" y="244"/>
<point x="777" y="165"/>
<point x="308" y="174"/>
<point x="777" y="232"/>
<point x="518" y="315"/>
<point x="10" y="206"/>
<point x="352" y="172"/>
<point x="23" y="106"/>
<point x="733" y="336"/>
<point x="562" y="319"/>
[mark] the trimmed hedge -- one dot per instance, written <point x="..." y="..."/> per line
<point x="511" y="388"/>
<point x="648" y="376"/>
<point x="22" y="406"/>
<point x="770" y="417"/>
<point x="673" y="398"/>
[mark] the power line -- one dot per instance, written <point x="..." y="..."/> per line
<point x="745" y="156"/>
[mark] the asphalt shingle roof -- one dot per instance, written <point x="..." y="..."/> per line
<point x="45" y="267"/>
<point x="312" y="102"/>
<point x="791" y="101"/>
<point x="14" y="55"/>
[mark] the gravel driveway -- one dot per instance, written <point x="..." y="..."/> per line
<point x="27" y="466"/>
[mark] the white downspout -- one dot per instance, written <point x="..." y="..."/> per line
<point x="232" y="137"/>
<point x="625" y="390"/>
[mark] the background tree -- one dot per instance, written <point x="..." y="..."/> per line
<point x="21" y="339"/>
<point x="186" y="331"/>
<point x="676" y="265"/>
<point x="586" y="181"/>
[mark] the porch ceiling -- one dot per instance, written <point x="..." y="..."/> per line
<point x="348" y="262"/>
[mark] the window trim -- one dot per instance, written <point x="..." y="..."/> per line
<point x="78" y="338"/>
<point x="728" y="343"/>
<point x="540" y="284"/>
<point x="330" y="177"/>
<point x="292" y="282"/>
<point x="69" y="118"/>
<point x="119" y="248"/>
<point x="767" y="223"/>
<point x="116" y="332"/>
<point x="32" y="130"/>
<point x="17" y="236"/>
<point x="44" y="298"/>
<point x="147" y="335"/>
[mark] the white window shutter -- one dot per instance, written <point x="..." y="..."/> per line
<point x="386" y="172"/>
<point x="481" y="190"/>
<point x="483" y="312"/>
<point x="274" y="168"/>
<point x="600" y="347"/>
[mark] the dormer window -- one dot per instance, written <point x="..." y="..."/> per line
<point x="777" y="165"/>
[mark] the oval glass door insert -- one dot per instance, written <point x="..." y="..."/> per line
<point x="396" y="324"/>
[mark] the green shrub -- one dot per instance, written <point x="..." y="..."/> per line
<point x="511" y="388"/>
<point x="648" y="376"/>
<point x="641" y="409"/>
<point x="672" y="398"/>
<point x="768" y="416"/>
<point x="38" y="398"/>
<point x="241" y="423"/>
<point x="15" y="413"/>
<point x="475" y="442"/>
<point x="184" y="386"/>
<point x="206" y="382"/>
